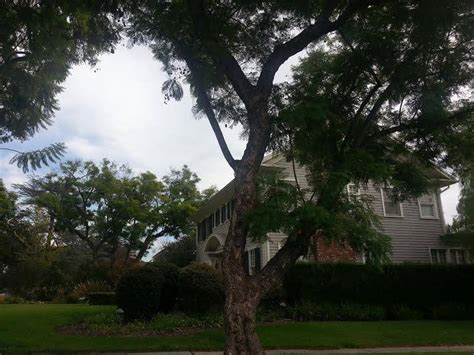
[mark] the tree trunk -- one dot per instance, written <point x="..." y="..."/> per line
<point x="240" y="308"/>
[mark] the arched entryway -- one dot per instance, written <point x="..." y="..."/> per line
<point x="213" y="250"/>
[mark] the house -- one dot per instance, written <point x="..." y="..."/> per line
<point x="414" y="226"/>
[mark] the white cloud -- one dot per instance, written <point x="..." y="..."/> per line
<point x="118" y="112"/>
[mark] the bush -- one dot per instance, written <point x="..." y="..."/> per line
<point x="200" y="289"/>
<point x="101" y="298"/>
<point x="402" y="312"/>
<point x="420" y="288"/>
<point x="169" y="292"/>
<point x="138" y="293"/>
<point x="453" y="311"/>
<point x="340" y="312"/>
<point x="80" y="292"/>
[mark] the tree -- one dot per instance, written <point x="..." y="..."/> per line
<point x="229" y="53"/>
<point x="461" y="232"/>
<point x="39" y="42"/>
<point x="180" y="252"/>
<point x="117" y="215"/>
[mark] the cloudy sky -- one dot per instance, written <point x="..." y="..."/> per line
<point x="117" y="111"/>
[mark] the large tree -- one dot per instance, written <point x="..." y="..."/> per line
<point x="230" y="51"/>
<point x="39" y="43"/>
<point x="412" y="55"/>
<point x="116" y="214"/>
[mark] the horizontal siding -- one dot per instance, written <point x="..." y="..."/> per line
<point x="411" y="236"/>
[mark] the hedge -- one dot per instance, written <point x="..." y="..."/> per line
<point x="422" y="287"/>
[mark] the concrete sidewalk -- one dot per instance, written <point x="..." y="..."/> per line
<point x="416" y="349"/>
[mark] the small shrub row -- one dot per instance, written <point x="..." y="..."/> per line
<point x="335" y="312"/>
<point x="163" y="287"/>
<point x="111" y="323"/>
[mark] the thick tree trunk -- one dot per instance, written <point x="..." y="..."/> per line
<point x="240" y="309"/>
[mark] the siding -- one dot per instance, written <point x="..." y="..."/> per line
<point x="411" y="236"/>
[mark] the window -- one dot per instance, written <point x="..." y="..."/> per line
<point x="223" y="213"/>
<point x="427" y="206"/>
<point x="229" y="212"/>
<point x="218" y="216"/>
<point x="458" y="256"/>
<point x="438" y="256"/>
<point x="390" y="207"/>
<point x="253" y="261"/>
<point x="353" y="190"/>
<point x="209" y="224"/>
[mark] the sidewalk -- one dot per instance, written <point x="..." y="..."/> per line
<point x="417" y="349"/>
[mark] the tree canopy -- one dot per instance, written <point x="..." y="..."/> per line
<point x="116" y="214"/>
<point x="39" y="43"/>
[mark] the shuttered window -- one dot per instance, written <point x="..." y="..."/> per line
<point x="253" y="260"/>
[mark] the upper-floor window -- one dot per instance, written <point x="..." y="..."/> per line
<point x="353" y="190"/>
<point x="217" y="217"/>
<point x="391" y="208"/>
<point x="427" y="206"/>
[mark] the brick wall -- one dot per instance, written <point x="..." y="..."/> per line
<point x="332" y="251"/>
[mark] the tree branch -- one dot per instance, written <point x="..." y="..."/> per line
<point x="310" y="34"/>
<point x="203" y="99"/>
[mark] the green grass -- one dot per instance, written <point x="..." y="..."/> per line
<point x="31" y="327"/>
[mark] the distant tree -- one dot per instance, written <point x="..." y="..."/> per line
<point x="39" y="43"/>
<point x="113" y="212"/>
<point x="180" y="252"/>
<point x="461" y="231"/>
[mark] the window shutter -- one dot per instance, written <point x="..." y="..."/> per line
<point x="258" y="261"/>
<point x="247" y="261"/>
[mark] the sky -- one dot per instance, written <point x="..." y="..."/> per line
<point x="117" y="111"/>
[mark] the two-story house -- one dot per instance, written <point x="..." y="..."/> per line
<point x="414" y="226"/>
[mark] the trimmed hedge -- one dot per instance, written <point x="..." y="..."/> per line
<point x="417" y="287"/>
<point x="201" y="289"/>
<point x="138" y="293"/>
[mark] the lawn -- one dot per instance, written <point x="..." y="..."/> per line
<point x="32" y="328"/>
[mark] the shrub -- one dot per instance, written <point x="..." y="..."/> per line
<point x="200" y="289"/>
<point x="453" y="311"/>
<point x="80" y="292"/>
<point x="138" y="293"/>
<point x="101" y="298"/>
<point x="402" y="312"/>
<point x="169" y="292"/>
<point x="419" y="287"/>
<point x="329" y="311"/>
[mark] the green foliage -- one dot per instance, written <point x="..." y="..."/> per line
<point x="421" y="287"/>
<point x="180" y="252"/>
<point x="39" y="158"/>
<point x="169" y="289"/>
<point x="80" y="291"/>
<point x="111" y="324"/>
<point x="101" y="298"/>
<point x="332" y="312"/>
<point x="39" y="43"/>
<point x="201" y="289"/>
<point x="111" y="211"/>
<point x="461" y="232"/>
<point x="138" y="293"/>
